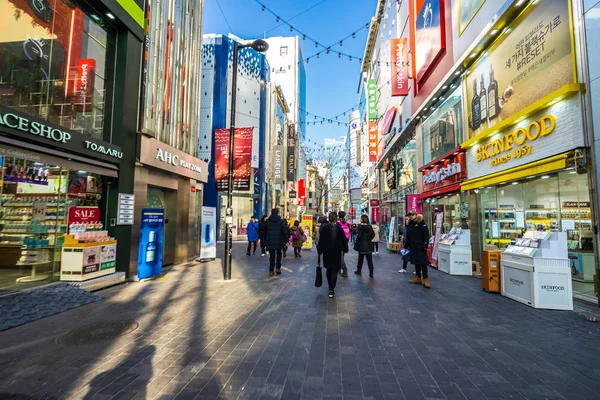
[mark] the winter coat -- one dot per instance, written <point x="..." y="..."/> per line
<point x="332" y="244"/>
<point x="417" y="240"/>
<point x="364" y="239"/>
<point x="301" y="239"/>
<point x="276" y="232"/>
<point x="262" y="230"/>
<point x="376" y="231"/>
<point x="252" y="231"/>
<point x="316" y="234"/>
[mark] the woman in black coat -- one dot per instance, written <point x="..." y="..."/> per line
<point x="332" y="244"/>
<point x="417" y="240"/>
<point x="364" y="244"/>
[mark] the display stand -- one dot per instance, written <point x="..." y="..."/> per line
<point x="84" y="259"/>
<point x="454" y="252"/>
<point x="535" y="271"/>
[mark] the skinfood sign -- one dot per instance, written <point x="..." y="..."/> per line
<point x="516" y="143"/>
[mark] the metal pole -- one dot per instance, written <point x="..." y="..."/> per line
<point x="229" y="210"/>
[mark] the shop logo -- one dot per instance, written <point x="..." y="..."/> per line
<point x="442" y="174"/>
<point x="550" y="288"/>
<point x="516" y="282"/>
<point x="175" y="160"/>
<point x="278" y="162"/>
<point x="35" y="128"/>
<point x="99" y="148"/>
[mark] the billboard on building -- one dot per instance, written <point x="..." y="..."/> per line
<point x="278" y="167"/>
<point x="429" y="38"/>
<point x="399" y="62"/>
<point x="242" y="158"/>
<point x="372" y="98"/>
<point x="467" y="9"/>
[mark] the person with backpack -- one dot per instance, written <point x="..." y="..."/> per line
<point x="346" y="228"/>
<point x="276" y="236"/>
<point x="332" y="245"/>
<point x="298" y="239"/>
<point x="364" y="245"/>
<point x="417" y="240"/>
<point x="252" y="233"/>
<point x="262" y="235"/>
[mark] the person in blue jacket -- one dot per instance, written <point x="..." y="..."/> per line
<point x="252" y="233"/>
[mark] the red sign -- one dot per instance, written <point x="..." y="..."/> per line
<point x="373" y="140"/>
<point x="352" y="212"/>
<point x="429" y="37"/>
<point x="374" y="214"/>
<point x="374" y="203"/>
<point x="301" y="190"/>
<point x="450" y="171"/>
<point x="242" y="158"/>
<point x="83" y="215"/>
<point x="413" y="202"/>
<point x="86" y="73"/>
<point x="301" y="202"/>
<point x="399" y="66"/>
<point x="388" y="120"/>
<point x="193" y="189"/>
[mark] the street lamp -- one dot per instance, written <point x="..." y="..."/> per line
<point x="260" y="46"/>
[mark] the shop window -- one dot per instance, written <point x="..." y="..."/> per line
<point x="443" y="130"/>
<point x="283" y="51"/>
<point x="54" y="63"/>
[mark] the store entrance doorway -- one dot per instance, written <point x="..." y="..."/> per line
<point x="167" y="200"/>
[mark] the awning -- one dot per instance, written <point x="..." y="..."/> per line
<point x="446" y="189"/>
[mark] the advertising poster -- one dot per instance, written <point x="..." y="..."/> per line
<point x="391" y="230"/>
<point x="307" y="227"/>
<point x="242" y="158"/>
<point x="430" y="38"/>
<point x="467" y="9"/>
<point x="208" y="240"/>
<point x="439" y="222"/>
<point x="150" y="251"/>
<point x="399" y="54"/>
<point x="82" y="215"/>
<point x="373" y="140"/>
<point x="372" y="98"/>
<point x="526" y="64"/>
<point x="413" y="202"/>
<point x="108" y="257"/>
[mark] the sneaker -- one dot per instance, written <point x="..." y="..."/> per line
<point x="262" y="255"/>
<point x="331" y="294"/>
<point x="402" y="271"/>
<point x="357" y="272"/>
<point x="248" y="253"/>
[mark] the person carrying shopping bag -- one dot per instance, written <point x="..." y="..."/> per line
<point x="332" y="245"/>
<point x="317" y="236"/>
<point x="364" y="245"/>
<point x="298" y="239"/>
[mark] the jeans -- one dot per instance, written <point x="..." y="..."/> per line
<point x="344" y="269"/>
<point x="404" y="263"/>
<point x="361" y="258"/>
<point x="274" y="259"/>
<point x="331" y="278"/>
<point x="250" y="245"/>
<point x="376" y="246"/>
<point x="353" y="238"/>
<point x="263" y="246"/>
<point x="297" y="251"/>
<point x="421" y="268"/>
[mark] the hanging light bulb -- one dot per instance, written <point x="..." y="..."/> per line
<point x="341" y="44"/>
<point x="277" y="19"/>
<point x="328" y="50"/>
<point x="350" y="58"/>
<point x="316" y="44"/>
<point x="307" y="60"/>
<point x="263" y="8"/>
<point x="353" y="35"/>
<point x="303" y="37"/>
<point x="318" y="55"/>
<point x="291" y="29"/>
<point x="339" y="55"/>
<point x="367" y="25"/>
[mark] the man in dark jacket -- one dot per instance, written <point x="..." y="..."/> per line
<point x="364" y="245"/>
<point x="277" y="236"/>
<point x="332" y="245"/>
<point x="417" y="240"/>
<point x="262" y="235"/>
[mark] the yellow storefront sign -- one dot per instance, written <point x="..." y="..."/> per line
<point x="499" y="150"/>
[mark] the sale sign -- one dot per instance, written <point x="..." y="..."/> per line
<point x="399" y="60"/>
<point x="83" y="215"/>
<point x="373" y="136"/>
<point x="242" y="158"/>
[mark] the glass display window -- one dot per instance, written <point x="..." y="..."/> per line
<point x="455" y="209"/>
<point x="55" y="63"/>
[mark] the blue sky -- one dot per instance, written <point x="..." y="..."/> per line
<point x="331" y="83"/>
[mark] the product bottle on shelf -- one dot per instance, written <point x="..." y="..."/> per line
<point x="493" y="104"/>
<point x="151" y="248"/>
<point x="475" y="107"/>
<point x="483" y="102"/>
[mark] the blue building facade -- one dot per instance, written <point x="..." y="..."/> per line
<point x="253" y="73"/>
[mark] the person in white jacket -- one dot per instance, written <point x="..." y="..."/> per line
<point x="375" y="238"/>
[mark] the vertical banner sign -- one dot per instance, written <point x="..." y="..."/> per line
<point x="372" y="140"/>
<point x="208" y="240"/>
<point x="278" y="165"/>
<point x="391" y="230"/>
<point x="291" y="163"/>
<point x="150" y="251"/>
<point x="372" y="98"/>
<point x="375" y="214"/>
<point x="86" y="73"/>
<point x="429" y="36"/>
<point x="307" y="228"/>
<point x="439" y="221"/>
<point x="399" y="60"/>
<point x="302" y="189"/>
<point x="242" y="158"/>
<point x="413" y="202"/>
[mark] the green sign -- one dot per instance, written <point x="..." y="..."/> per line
<point x="108" y="265"/>
<point x="372" y="98"/>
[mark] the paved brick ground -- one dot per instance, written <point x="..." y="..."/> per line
<point x="269" y="338"/>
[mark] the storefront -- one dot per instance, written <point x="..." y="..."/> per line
<point x="169" y="180"/>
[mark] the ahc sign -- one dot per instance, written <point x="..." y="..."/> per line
<point x="160" y="155"/>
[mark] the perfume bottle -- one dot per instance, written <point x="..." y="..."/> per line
<point x="483" y="102"/>
<point x="151" y="248"/>
<point x="493" y="104"/>
<point x="475" y="107"/>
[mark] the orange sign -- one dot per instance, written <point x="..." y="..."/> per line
<point x="372" y="140"/>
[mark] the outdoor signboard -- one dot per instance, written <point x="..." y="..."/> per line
<point x="399" y="54"/>
<point x="208" y="241"/>
<point x="242" y="158"/>
<point x="373" y="136"/>
<point x="307" y="227"/>
<point x="150" y="251"/>
<point x="429" y="36"/>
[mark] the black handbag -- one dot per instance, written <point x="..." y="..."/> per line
<point x="319" y="277"/>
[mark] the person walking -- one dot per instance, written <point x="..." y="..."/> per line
<point x="262" y="235"/>
<point x="332" y="245"/>
<point x="405" y="257"/>
<point x="417" y="239"/>
<point x="317" y="236"/>
<point x="298" y="239"/>
<point x="364" y="245"/>
<point x="375" y="238"/>
<point x="289" y="234"/>
<point x="346" y="228"/>
<point x="252" y="233"/>
<point x="276" y="236"/>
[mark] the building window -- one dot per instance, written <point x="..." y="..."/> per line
<point x="283" y="51"/>
<point x="54" y="64"/>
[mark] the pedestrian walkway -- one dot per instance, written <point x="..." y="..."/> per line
<point x="191" y="335"/>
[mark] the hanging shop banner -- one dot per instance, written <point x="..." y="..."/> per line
<point x="242" y="158"/>
<point x="522" y="67"/>
<point x="373" y="140"/>
<point x="413" y="202"/>
<point x="467" y="9"/>
<point x="388" y="120"/>
<point x="208" y="242"/>
<point x="374" y="214"/>
<point x="390" y="174"/>
<point x="291" y="164"/>
<point x="301" y="189"/>
<point x="429" y="36"/>
<point x="278" y="164"/>
<point x="391" y="230"/>
<point x="86" y="73"/>
<point x="399" y="54"/>
<point x="307" y="228"/>
<point x="150" y="250"/>
<point x="372" y="98"/>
